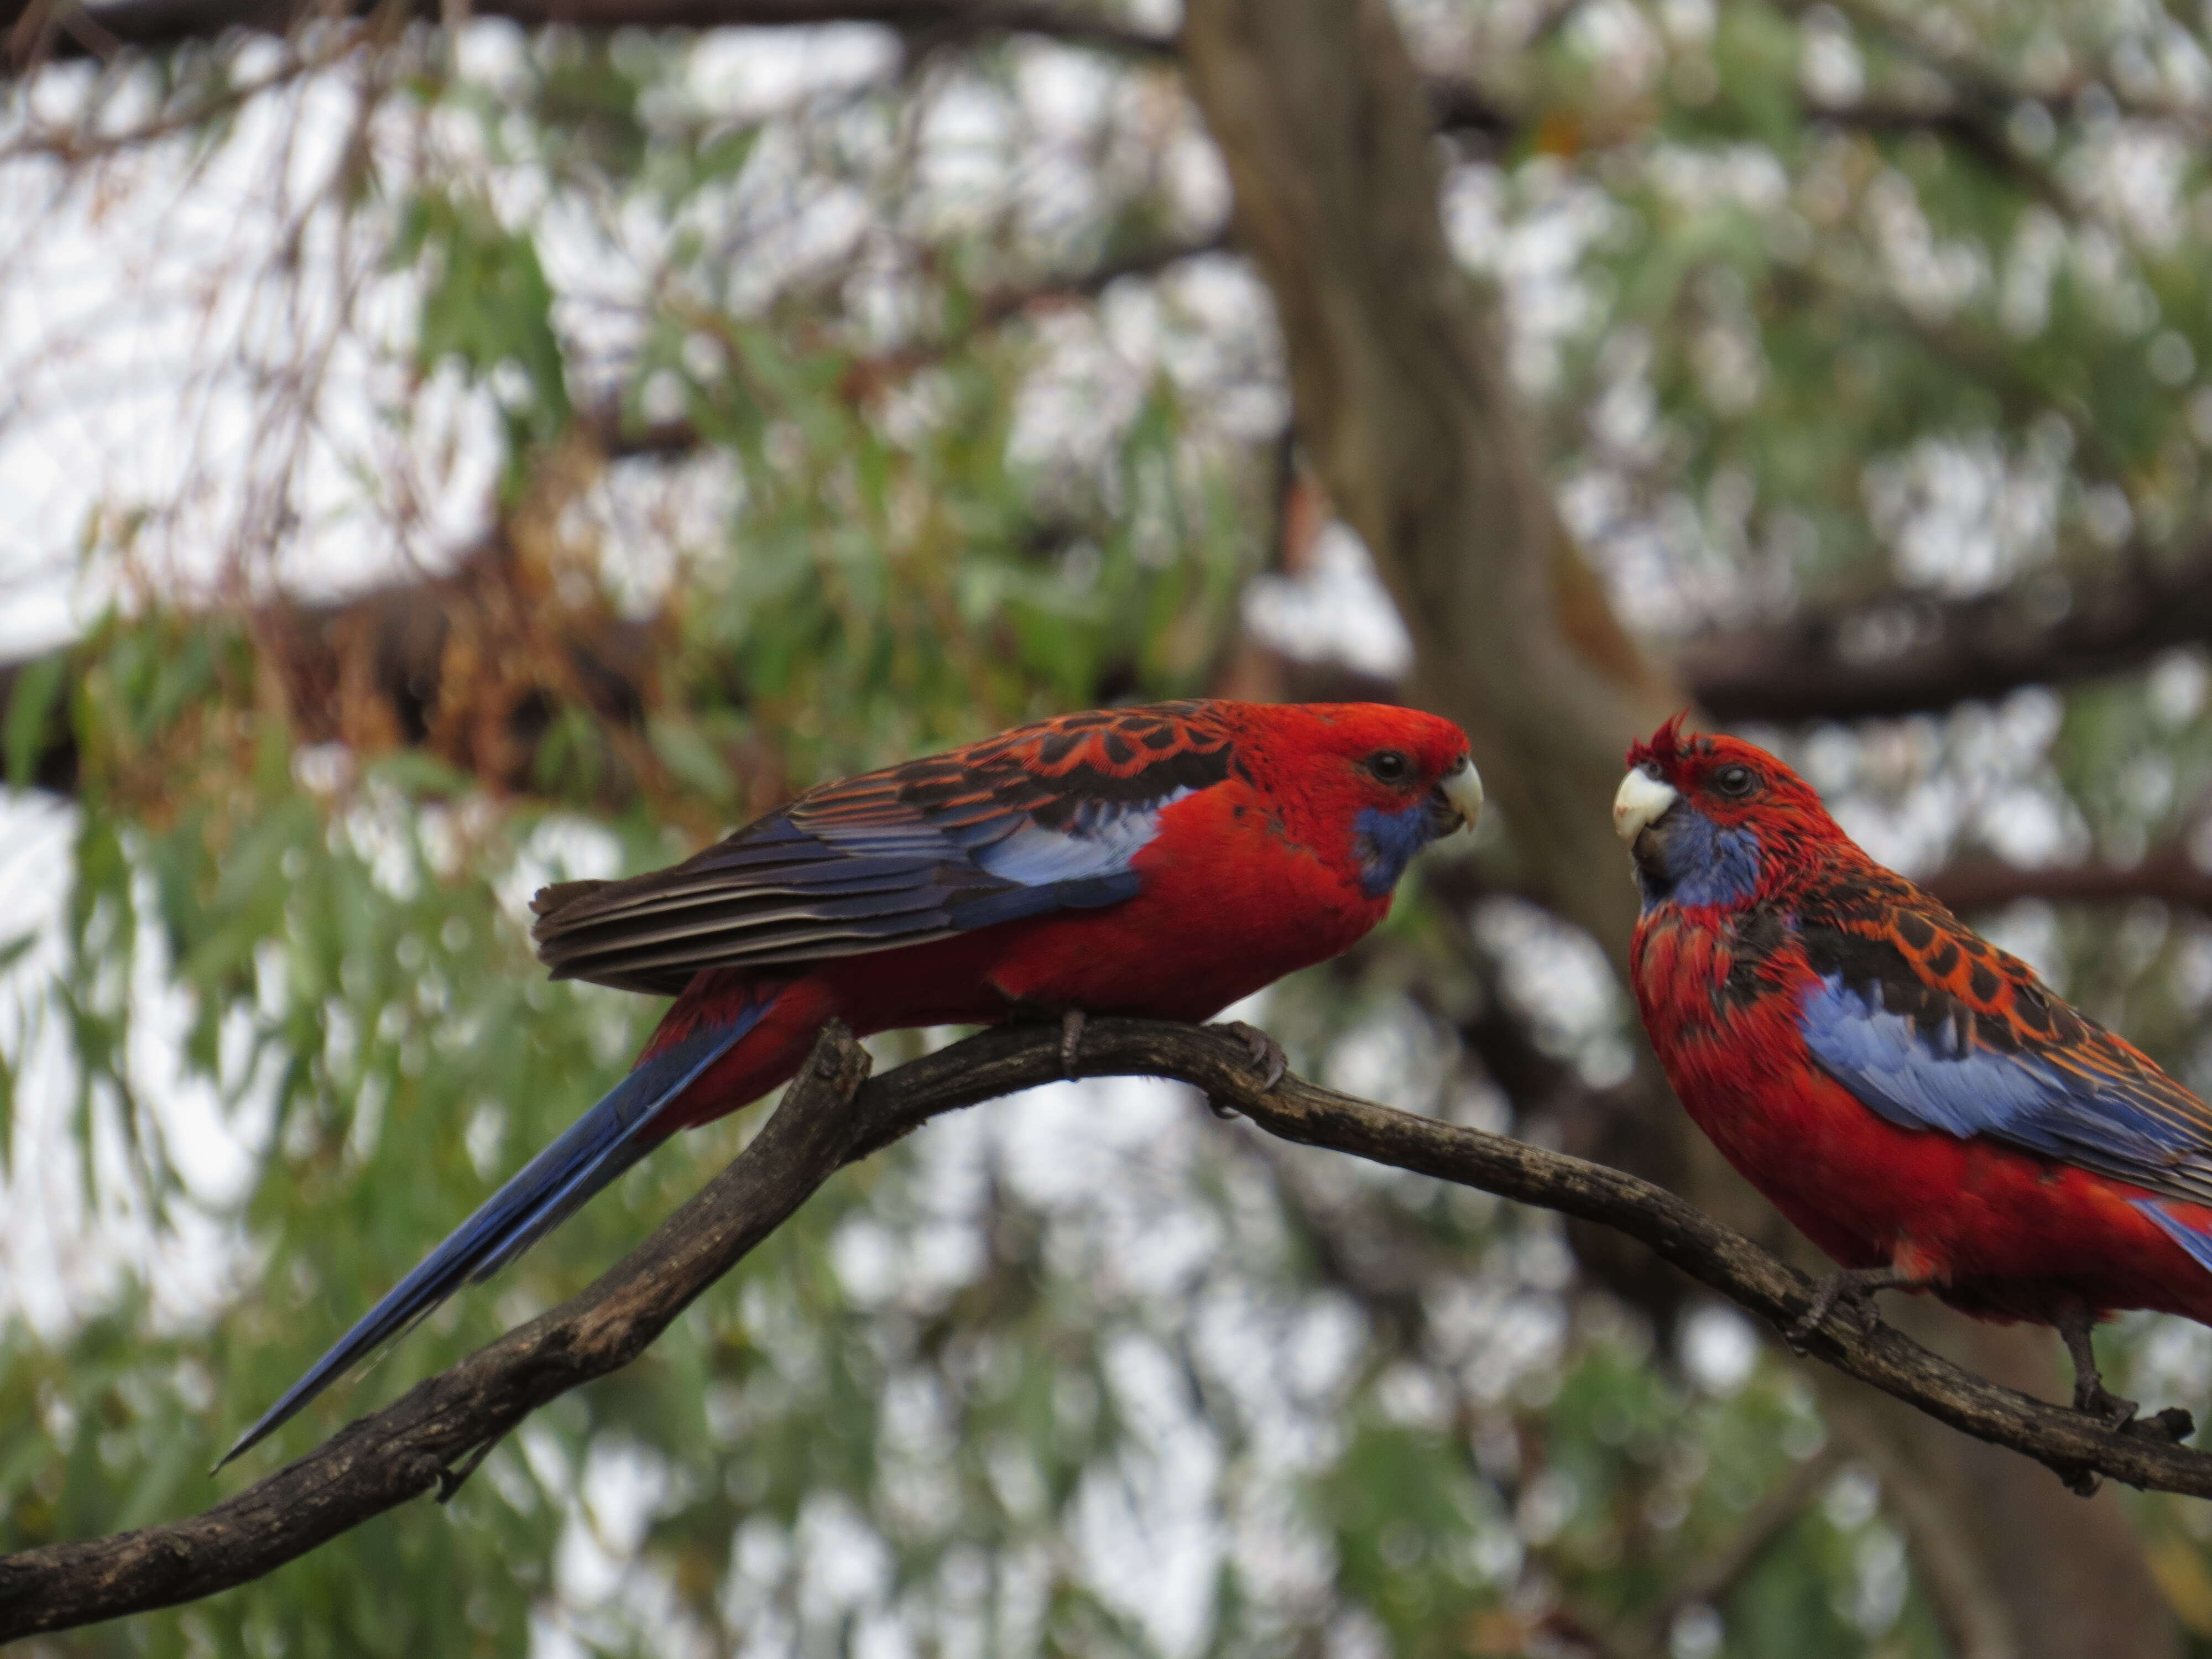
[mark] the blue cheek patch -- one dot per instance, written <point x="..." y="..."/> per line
<point x="1704" y="864"/>
<point x="1385" y="843"/>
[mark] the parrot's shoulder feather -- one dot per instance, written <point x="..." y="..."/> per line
<point x="1104" y="757"/>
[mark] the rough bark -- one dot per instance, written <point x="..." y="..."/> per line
<point x="1404" y="404"/>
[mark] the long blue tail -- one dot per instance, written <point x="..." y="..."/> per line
<point x="587" y="1155"/>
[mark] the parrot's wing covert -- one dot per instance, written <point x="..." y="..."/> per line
<point x="1044" y="818"/>
<point x="1934" y="1028"/>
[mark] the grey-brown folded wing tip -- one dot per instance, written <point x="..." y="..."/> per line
<point x="546" y="902"/>
<point x="647" y="982"/>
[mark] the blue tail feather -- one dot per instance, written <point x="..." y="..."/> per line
<point x="2198" y="1244"/>
<point x="584" y="1158"/>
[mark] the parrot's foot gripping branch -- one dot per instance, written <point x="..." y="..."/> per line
<point x="2090" y="1394"/>
<point x="2092" y="1397"/>
<point x="1852" y="1288"/>
<point x="1266" y="1054"/>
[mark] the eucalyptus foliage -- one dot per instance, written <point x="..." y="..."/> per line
<point x="1088" y="1372"/>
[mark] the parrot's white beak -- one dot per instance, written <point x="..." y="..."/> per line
<point x="1640" y="802"/>
<point x="1462" y="787"/>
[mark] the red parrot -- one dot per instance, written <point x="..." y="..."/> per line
<point x="1917" y="1101"/>
<point x="1160" y="862"/>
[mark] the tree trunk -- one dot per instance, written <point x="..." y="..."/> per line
<point x="1406" y="407"/>
<point x="1404" y="404"/>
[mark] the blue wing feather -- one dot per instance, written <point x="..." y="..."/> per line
<point x="1935" y="1065"/>
<point x="581" y="1161"/>
<point x="2197" y="1244"/>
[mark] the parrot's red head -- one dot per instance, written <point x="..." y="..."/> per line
<point x="1361" y="780"/>
<point x="1714" y="820"/>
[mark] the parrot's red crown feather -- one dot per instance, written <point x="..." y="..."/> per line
<point x="1664" y="750"/>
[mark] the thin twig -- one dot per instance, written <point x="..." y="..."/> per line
<point x="39" y="30"/>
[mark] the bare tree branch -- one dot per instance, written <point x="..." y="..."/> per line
<point x="38" y="30"/>
<point x="2169" y="874"/>
<point x="1895" y="655"/>
<point x="436" y="1434"/>
<point x="1904" y="653"/>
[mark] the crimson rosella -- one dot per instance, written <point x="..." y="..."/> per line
<point x="1916" y="1100"/>
<point x="1160" y="861"/>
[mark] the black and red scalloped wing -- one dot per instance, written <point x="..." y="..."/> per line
<point x="1044" y="817"/>
<point x="1933" y="1028"/>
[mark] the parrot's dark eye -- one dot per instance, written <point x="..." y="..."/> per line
<point x="1390" y="765"/>
<point x="1735" y="782"/>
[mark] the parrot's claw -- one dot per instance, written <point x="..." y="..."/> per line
<point x="1266" y="1053"/>
<point x="1071" y="1039"/>
<point x="1831" y="1292"/>
<point x="2092" y="1396"/>
<point x="1852" y="1288"/>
